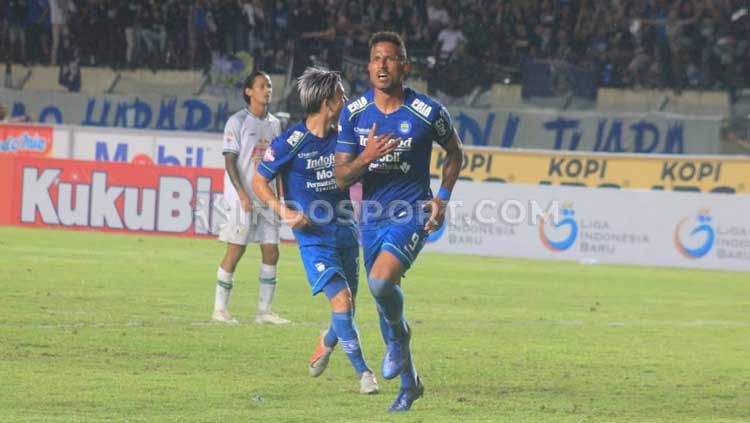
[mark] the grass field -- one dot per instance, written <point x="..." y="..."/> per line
<point x="101" y="327"/>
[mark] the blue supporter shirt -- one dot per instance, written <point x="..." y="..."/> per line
<point x="403" y="175"/>
<point x="305" y="164"/>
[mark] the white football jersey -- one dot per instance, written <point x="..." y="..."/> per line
<point x="248" y="136"/>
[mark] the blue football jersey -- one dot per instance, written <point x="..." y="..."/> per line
<point x="403" y="175"/>
<point x="305" y="164"/>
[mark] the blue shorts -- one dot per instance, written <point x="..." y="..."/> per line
<point x="322" y="263"/>
<point x="404" y="240"/>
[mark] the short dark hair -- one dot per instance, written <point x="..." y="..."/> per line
<point x="249" y="81"/>
<point x="389" y="37"/>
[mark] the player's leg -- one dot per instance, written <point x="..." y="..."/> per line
<point x="265" y="231"/>
<point x="267" y="285"/>
<point x="400" y="246"/>
<point x="342" y="320"/>
<point x="384" y="281"/>
<point x="372" y="239"/>
<point x="235" y="234"/>
<point x="225" y="283"/>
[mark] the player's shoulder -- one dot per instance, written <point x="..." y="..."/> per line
<point x="292" y="137"/>
<point x="358" y="104"/>
<point x="423" y="105"/>
<point x="237" y="119"/>
<point x="272" y="119"/>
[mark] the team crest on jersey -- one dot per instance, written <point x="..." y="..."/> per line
<point x="404" y="127"/>
<point x="269" y="155"/>
<point x="294" y="139"/>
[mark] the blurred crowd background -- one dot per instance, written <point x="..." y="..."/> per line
<point x="456" y="44"/>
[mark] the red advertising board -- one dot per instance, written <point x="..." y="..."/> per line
<point x="106" y="196"/>
<point x="25" y="140"/>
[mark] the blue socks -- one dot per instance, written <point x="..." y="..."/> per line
<point x="390" y="301"/>
<point x="343" y="325"/>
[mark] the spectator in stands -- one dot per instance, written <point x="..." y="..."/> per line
<point x="449" y="41"/>
<point x="17" y="13"/>
<point x="437" y="16"/>
<point x="58" y="10"/>
<point x="37" y="31"/>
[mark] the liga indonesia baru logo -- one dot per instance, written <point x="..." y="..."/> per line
<point x="559" y="236"/>
<point x="694" y="236"/>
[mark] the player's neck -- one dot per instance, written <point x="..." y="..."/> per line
<point x="389" y="102"/>
<point x="259" y="110"/>
<point x="318" y="125"/>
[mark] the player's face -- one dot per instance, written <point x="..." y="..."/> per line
<point x="260" y="92"/>
<point x="387" y="66"/>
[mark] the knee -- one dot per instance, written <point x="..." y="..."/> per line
<point x="380" y="287"/>
<point x="270" y="255"/>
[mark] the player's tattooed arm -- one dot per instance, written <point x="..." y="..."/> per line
<point x="230" y="163"/>
<point x="295" y="220"/>
<point x="451" y="169"/>
<point x="454" y="160"/>
<point x="349" y="169"/>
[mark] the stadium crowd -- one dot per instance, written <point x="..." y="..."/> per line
<point x="654" y="43"/>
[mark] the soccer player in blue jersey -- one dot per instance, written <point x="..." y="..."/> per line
<point x="319" y="213"/>
<point x="385" y="140"/>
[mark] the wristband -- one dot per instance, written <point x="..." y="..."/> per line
<point x="444" y="194"/>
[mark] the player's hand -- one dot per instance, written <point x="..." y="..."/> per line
<point x="246" y="202"/>
<point x="436" y="207"/>
<point x="379" y="145"/>
<point x="296" y="220"/>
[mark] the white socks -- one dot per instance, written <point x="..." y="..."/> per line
<point x="267" y="279"/>
<point x="224" y="282"/>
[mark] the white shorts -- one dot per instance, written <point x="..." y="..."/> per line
<point x="260" y="226"/>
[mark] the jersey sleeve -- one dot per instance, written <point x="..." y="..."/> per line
<point x="443" y="126"/>
<point x="347" y="139"/>
<point x="277" y="156"/>
<point x="231" y="139"/>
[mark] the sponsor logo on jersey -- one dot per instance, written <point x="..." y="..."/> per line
<point x="269" y="155"/>
<point x="361" y="131"/>
<point x="404" y="145"/>
<point x="421" y="107"/>
<point x="357" y="104"/>
<point x="320" y="162"/>
<point x="294" y="139"/>
<point x="405" y="167"/>
<point x="308" y="154"/>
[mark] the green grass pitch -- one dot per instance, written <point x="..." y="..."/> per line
<point x="102" y="327"/>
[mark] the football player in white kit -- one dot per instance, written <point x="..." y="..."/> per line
<point x="247" y="135"/>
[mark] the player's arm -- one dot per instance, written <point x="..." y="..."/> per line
<point x="350" y="168"/>
<point x="231" y="150"/>
<point x="451" y="169"/>
<point x="448" y="138"/>
<point x="262" y="188"/>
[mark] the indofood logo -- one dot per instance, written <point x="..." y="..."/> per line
<point x="694" y="236"/>
<point x="562" y="235"/>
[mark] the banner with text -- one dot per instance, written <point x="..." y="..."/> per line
<point x="718" y="174"/>
<point x="647" y="133"/>
<point x="569" y="223"/>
